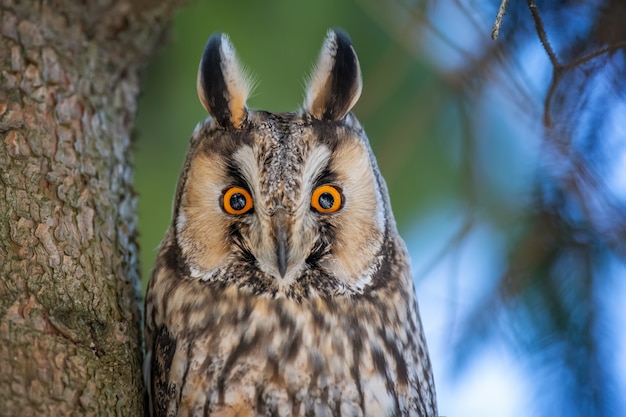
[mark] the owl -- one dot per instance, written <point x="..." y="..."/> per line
<point x="282" y="287"/>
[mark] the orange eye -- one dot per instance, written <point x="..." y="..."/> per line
<point x="237" y="201"/>
<point x="326" y="199"/>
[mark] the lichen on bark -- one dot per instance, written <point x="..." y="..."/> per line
<point x="70" y="340"/>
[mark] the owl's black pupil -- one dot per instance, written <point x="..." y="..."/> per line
<point x="326" y="201"/>
<point x="237" y="201"/>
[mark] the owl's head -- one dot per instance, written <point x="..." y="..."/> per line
<point x="282" y="203"/>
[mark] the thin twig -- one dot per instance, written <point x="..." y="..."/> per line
<point x="556" y="79"/>
<point x="542" y="34"/>
<point x="586" y="58"/>
<point x="498" y="23"/>
<point x="508" y="61"/>
<point x="557" y="68"/>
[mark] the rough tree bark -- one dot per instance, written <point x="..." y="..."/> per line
<point x="70" y="340"/>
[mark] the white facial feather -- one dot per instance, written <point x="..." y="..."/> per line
<point x="315" y="163"/>
<point x="249" y="166"/>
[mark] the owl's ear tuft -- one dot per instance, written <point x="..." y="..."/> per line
<point x="335" y="84"/>
<point x="223" y="86"/>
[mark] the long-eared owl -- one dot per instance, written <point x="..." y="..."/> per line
<point x="282" y="287"/>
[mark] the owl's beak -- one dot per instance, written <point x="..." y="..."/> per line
<point x="282" y="241"/>
<point x="282" y="254"/>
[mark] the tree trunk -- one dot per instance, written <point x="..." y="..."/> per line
<point x="70" y="340"/>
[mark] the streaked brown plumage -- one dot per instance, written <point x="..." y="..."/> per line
<point x="282" y="287"/>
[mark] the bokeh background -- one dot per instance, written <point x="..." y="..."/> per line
<point x="506" y="166"/>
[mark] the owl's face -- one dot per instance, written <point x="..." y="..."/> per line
<point x="281" y="204"/>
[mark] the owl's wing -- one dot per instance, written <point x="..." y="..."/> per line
<point x="164" y="396"/>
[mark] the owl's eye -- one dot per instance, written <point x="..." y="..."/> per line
<point x="326" y="199"/>
<point x="237" y="200"/>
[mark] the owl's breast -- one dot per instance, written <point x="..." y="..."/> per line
<point x="263" y="356"/>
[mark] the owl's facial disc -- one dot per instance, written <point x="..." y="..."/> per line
<point x="284" y="207"/>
